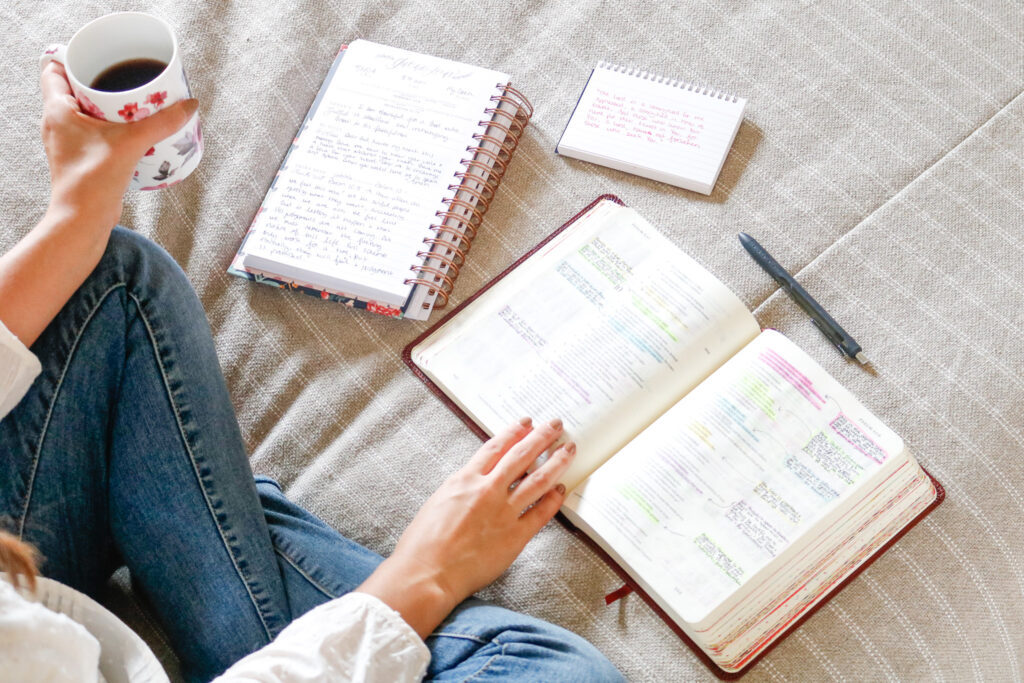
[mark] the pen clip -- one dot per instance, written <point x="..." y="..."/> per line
<point x="830" y="335"/>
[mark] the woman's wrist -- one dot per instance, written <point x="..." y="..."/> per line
<point x="82" y="218"/>
<point x="420" y="596"/>
<point x="41" y="272"/>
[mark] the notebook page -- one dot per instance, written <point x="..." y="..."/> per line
<point x="734" y="475"/>
<point x="362" y="183"/>
<point x="650" y="127"/>
<point x="605" y="328"/>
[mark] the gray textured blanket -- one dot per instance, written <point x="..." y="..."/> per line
<point x="880" y="159"/>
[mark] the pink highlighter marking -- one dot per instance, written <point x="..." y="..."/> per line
<point x="879" y="453"/>
<point x="799" y="380"/>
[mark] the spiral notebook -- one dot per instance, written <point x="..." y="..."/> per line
<point x="387" y="181"/>
<point x="655" y="127"/>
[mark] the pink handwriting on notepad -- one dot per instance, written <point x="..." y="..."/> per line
<point x="632" y="118"/>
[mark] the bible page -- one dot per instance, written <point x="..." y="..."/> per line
<point x="754" y="462"/>
<point x="605" y="328"/>
<point x="360" y="187"/>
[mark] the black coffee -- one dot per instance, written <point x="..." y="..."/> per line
<point x="128" y="75"/>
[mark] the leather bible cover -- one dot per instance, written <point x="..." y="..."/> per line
<point x="629" y="583"/>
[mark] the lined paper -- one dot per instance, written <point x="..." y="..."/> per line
<point x="653" y="127"/>
<point x="360" y="188"/>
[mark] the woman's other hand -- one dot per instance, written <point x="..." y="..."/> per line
<point x="472" y="528"/>
<point x="93" y="161"/>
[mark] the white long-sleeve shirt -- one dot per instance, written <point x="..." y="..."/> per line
<point x="62" y="635"/>
<point x="18" y="368"/>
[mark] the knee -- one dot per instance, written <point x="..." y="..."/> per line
<point x="557" y="654"/>
<point x="133" y="258"/>
<point x="481" y="638"/>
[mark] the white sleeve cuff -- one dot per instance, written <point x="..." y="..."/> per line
<point x="18" y="369"/>
<point x="353" y="638"/>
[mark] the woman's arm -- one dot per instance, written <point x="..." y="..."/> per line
<point x="474" y="525"/>
<point x="466" y="534"/>
<point x="91" y="164"/>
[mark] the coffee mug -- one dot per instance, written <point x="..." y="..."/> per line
<point x="124" y="67"/>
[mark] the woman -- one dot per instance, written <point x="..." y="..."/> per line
<point x="119" y="445"/>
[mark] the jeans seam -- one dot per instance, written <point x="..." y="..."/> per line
<point x="195" y="469"/>
<point x="488" y="663"/>
<point x="316" y="584"/>
<point x="53" y="402"/>
<point x="156" y="629"/>
<point x="462" y="636"/>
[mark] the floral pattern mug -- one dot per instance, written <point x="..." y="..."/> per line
<point x="117" y="38"/>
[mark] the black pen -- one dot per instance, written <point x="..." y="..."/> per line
<point x="819" y="316"/>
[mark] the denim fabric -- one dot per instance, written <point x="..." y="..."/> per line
<point x="483" y="642"/>
<point x="126" y="451"/>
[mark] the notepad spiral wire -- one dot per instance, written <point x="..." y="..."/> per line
<point x="670" y="82"/>
<point x="463" y="211"/>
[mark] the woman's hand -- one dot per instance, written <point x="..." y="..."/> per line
<point x="474" y="525"/>
<point x="92" y="161"/>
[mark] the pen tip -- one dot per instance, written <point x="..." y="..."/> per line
<point x="861" y="358"/>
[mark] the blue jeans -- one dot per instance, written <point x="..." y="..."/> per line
<point x="126" y="450"/>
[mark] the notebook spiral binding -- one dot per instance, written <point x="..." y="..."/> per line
<point x="671" y="82"/>
<point x="463" y="211"/>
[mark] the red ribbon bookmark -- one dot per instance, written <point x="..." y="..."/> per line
<point x="617" y="594"/>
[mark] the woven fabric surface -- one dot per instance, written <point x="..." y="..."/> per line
<point x="880" y="160"/>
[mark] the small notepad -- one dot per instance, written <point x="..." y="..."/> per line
<point x="651" y="126"/>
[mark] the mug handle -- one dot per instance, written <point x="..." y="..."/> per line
<point x="53" y="53"/>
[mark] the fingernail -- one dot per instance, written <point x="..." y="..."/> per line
<point x="570" y="448"/>
<point x="561" y="489"/>
<point x="191" y="106"/>
<point x="526" y="421"/>
<point x="556" y="423"/>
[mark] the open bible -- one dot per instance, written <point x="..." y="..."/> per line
<point x="731" y="477"/>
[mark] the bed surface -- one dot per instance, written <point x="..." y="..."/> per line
<point x="880" y="160"/>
